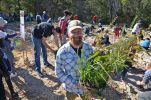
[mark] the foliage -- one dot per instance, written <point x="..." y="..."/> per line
<point x="103" y="62"/>
<point x="85" y="9"/>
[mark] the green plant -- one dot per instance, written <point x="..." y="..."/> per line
<point x="103" y="62"/>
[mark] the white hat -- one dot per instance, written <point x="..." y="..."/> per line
<point x="2" y="22"/>
<point x="74" y="24"/>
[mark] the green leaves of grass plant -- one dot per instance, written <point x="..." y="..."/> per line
<point x="99" y="66"/>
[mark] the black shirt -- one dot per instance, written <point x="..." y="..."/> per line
<point x="78" y="51"/>
<point x="43" y="29"/>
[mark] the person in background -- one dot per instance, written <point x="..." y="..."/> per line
<point x="116" y="31"/>
<point x="31" y="16"/>
<point x="7" y="48"/>
<point x="39" y="36"/>
<point x="94" y="20"/>
<point x="100" y="23"/>
<point x="100" y="27"/>
<point x="92" y="29"/>
<point x="123" y="30"/>
<point x="49" y="21"/>
<point x="145" y="43"/>
<point x="75" y="17"/>
<point x="136" y="27"/>
<point x="4" y="73"/>
<point x="105" y="39"/>
<point x="63" y="23"/>
<point x="67" y="60"/>
<point x="45" y="16"/>
<point x="14" y="16"/>
<point x="38" y="18"/>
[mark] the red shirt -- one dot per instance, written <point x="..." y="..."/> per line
<point x="75" y="17"/>
<point x="94" y="18"/>
<point x="116" y="30"/>
<point x="63" y="24"/>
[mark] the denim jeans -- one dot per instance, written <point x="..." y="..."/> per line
<point x="37" y="44"/>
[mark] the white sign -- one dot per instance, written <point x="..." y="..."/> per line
<point x="22" y="26"/>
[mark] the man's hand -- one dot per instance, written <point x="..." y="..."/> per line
<point x="46" y="45"/>
<point x="18" y="33"/>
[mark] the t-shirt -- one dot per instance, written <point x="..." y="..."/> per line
<point x="94" y="18"/>
<point x="116" y="30"/>
<point x="63" y="25"/>
<point x="78" y="51"/>
<point x="43" y="29"/>
<point x="75" y="17"/>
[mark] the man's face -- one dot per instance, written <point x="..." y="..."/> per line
<point x="76" y="37"/>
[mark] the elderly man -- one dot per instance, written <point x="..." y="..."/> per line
<point x="67" y="60"/>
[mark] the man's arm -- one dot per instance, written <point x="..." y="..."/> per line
<point x="46" y="44"/>
<point x="61" y="74"/>
<point x="13" y="35"/>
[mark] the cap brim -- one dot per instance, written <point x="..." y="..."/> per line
<point x="74" y="27"/>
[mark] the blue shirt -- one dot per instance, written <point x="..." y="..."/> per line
<point x="145" y="43"/>
<point x="67" y="66"/>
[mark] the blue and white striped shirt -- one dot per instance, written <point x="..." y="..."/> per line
<point x="67" y="66"/>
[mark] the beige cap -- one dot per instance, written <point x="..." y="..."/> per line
<point x="74" y="24"/>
